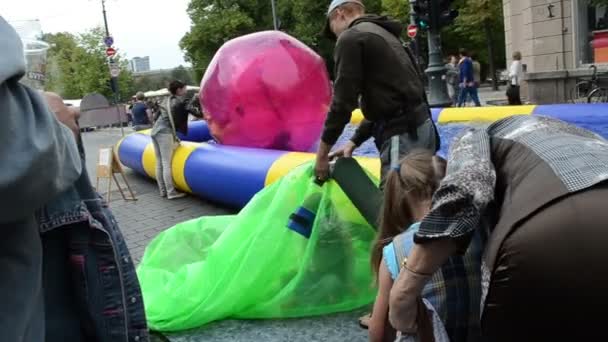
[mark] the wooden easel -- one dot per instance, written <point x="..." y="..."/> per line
<point x="107" y="167"/>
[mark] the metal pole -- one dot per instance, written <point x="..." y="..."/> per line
<point x="438" y="96"/>
<point x="113" y="80"/>
<point x="105" y="19"/>
<point x="417" y="38"/>
<point x="275" y="20"/>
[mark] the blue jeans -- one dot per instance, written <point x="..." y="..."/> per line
<point x="399" y="146"/>
<point x="466" y="91"/>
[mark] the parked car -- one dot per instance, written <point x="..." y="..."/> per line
<point x="502" y="76"/>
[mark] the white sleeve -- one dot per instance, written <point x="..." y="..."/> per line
<point x="513" y="69"/>
<point x="515" y="72"/>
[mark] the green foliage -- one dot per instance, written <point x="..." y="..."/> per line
<point x="217" y="21"/>
<point x="78" y="66"/>
<point x="397" y="9"/>
<point x="182" y="74"/>
<point x="159" y="79"/>
<point x="150" y="82"/>
<point x="213" y="23"/>
<point x="479" y="28"/>
<point x="597" y="2"/>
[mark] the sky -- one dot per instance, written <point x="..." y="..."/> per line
<point x="139" y="27"/>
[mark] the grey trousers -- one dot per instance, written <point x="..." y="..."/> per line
<point x="399" y="146"/>
<point x="164" y="146"/>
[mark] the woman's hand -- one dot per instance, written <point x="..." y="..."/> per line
<point x="423" y="261"/>
<point x="64" y="114"/>
<point x="403" y="305"/>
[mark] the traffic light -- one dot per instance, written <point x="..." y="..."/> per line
<point x="434" y="14"/>
<point x="422" y="14"/>
<point x="445" y="14"/>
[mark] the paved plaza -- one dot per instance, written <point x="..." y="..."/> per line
<point x="142" y="220"/>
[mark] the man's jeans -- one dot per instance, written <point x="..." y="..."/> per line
<point x="465" y="92"/>
<point x="399" y="146"/>
<point x="164" y="146"/>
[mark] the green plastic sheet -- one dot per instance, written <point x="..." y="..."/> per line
<point x="252" y="266"/>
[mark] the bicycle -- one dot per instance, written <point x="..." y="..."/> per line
<point x="589" y="91"/>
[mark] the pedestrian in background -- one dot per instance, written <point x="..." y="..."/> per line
<point x="141" y="113"/>
<point x="468" y="85"/>
<point x="173" y="119"/>
<point x="476" y="70"/>
<point x="452" y="79"/>
<point x="515" y="76"/>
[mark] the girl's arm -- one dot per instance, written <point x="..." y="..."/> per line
<point x="378" y="321"/>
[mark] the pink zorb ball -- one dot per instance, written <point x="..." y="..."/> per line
<point x="266" y="90"/>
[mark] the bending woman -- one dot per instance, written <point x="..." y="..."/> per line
<point x="540" y="183"/>
<point x="454" y="290"/>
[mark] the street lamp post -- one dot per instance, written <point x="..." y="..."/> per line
<point x="275" y="20"/>
<point x="113" y="80"/>
<point x="417" y="38"/>
<point x="436" y="70"/>
<point x="105" y="18"/>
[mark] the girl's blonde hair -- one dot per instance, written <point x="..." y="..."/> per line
<point x="418" y="177"/>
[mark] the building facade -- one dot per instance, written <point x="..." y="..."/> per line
<point x="559" y="41"/>
<point x="140" y="64"/>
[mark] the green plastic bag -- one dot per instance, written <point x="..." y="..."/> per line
<point x="251" y="265"/>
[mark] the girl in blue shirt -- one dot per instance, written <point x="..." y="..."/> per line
<point x="454" y="291"/>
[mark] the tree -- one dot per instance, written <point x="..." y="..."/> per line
<point x="61" y="71"/>
<point x="182" y="74"/>
<point x="597" y="2"/>
<point x="398" y="9"/>
<point x="216" y="21"/>
<point x="213" y="23"/>
<point x="478" y="21"/>
<point x="78" y="66"/>
<point x="95" y="73"/>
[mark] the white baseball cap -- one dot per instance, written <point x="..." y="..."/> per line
<point x="332" y="6"/>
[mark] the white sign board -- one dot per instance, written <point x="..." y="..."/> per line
<point x="105" y="157"/>
<point x="114" y="70"/>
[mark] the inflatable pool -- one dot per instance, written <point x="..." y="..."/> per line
<point x="232" y="175"/>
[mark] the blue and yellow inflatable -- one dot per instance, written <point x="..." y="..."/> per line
<point x="233" y="175"/>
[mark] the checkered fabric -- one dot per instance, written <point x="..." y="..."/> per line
<point x="456" y="288"/>
<point x="454" y="291"/>
<point x="579" y="158"/>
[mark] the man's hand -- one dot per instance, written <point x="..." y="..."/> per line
<point x="345" y="151"/>
<point x="322" y="163"/>
<point x="322" y="167"/>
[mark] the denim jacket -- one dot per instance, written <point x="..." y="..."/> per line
<point x="81" y="239"/>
